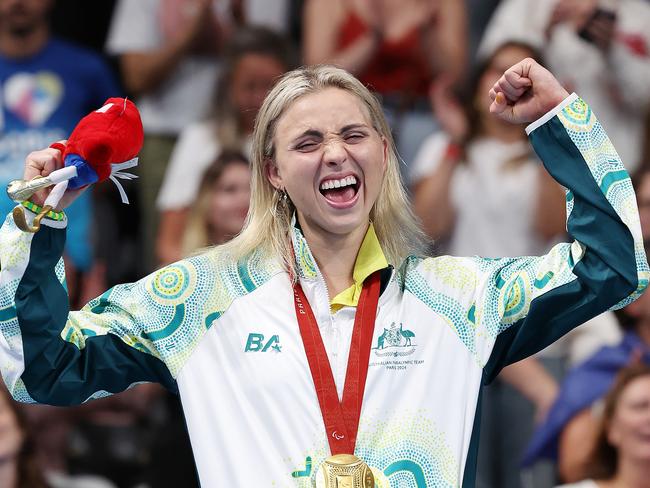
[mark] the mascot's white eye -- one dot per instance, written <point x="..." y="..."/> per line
<point x="104" y="109"/>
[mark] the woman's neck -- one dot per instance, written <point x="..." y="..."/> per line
<point x="8" y="473"/>
<point x="335" y="255"/>
<point x="631" y="473"/>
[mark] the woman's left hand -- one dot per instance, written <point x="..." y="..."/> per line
<point x="447" y="110"/>
<point x="525" y="92"/>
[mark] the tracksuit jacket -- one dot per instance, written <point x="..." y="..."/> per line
<point x="224" y="334"/>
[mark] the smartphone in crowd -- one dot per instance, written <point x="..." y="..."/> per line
<point x="599" y="14"/>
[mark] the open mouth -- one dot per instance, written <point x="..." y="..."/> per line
<point x="340" y="191"/>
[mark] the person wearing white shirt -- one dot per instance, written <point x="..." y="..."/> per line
<point x="254" y="59"/>
<point x="600" y="48"/>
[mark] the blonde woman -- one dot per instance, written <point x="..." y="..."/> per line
<point x="318" y="346"/>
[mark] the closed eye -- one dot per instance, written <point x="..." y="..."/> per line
<point x="306" y="146"/>
<point x="355" y="137"/>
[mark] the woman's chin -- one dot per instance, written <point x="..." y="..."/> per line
<point x="339" y="222"/>
<point x="346" y="224"/>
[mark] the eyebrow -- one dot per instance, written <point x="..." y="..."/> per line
<point x="353" y="126"/>
<point x="309" y="132"/>
<point x="317" y="133"/>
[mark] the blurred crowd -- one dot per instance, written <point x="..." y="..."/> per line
<point x="577" y="413"/>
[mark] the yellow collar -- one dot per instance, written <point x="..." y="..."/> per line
<point x="370" y="259"/>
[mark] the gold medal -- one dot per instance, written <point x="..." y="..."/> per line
<point x="344" y="471"/>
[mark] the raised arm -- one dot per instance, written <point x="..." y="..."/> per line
<point x="511" y="308"/>
<point x="540" y="299"/>
<point x="437" y="161"/>
<point x="446" y="39"/>
<point x="54" y="356"/>
<point x="51" y="355"/>
<point x="144" y="66"/>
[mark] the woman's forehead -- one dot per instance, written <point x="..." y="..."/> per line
<point x="326" y="110"/>
<point x="636" y="389"/>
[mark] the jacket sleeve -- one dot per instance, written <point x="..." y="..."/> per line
<point x="510" y="308"/>
<point x="537" y="300"/>
<point x="51" y="355"/>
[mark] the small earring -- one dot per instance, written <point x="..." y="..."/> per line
<point x="280" y="199"/>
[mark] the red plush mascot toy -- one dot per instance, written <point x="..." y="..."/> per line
<point x="104" y="143"/>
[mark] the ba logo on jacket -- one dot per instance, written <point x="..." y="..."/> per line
<point x="257" y="343"/>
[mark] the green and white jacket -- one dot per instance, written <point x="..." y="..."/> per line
<point x="224" y="334"/>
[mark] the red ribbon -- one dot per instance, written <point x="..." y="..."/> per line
<point x="341" y="418"/>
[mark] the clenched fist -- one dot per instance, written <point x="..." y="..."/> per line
<point x="42" y="163"/>
<point x="525" y="92"/>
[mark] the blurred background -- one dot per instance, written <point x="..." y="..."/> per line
<point x="199" y="71"/>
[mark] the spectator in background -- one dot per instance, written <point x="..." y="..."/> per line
<point x="18" y="467"/>
<point x="599" y="49"/>
<point x="169" y="57"/>
<point x="254" y="59"/>
<point x="465" y="180"/>
<point x="642" y="185"/>
<point x="621" y="453"/>
<point x="480" y="167"/>
<point x="221" y="205"/>
<point x="47" y="86"/>
<point x="395" y="47"/>
<point x="18" y="464"/>
<point x="569" y="431"/>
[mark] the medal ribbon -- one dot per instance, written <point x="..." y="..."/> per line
<point x="341" y="418"/>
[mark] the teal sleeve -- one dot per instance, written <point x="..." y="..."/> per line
<point x="138" y="332"/>
<point x="537" y="300"/>
<point x="54" y="356"/>
<point x="506" y="309"/>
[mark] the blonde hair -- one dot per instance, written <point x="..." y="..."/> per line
<point x="268" y="225"/>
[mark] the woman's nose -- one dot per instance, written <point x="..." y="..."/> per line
<point x="334" y="152"/>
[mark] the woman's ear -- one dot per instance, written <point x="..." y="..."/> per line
<point x="384" y="144"/>
<point x="273" y="173"/>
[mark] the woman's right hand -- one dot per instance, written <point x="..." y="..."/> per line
<point x="42" y="163"/>
<point x="525" y="92"/>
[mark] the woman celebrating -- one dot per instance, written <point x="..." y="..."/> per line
<point x="318" y="330"/>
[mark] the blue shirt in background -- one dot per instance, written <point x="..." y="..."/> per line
<point x="42" y="98"/>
